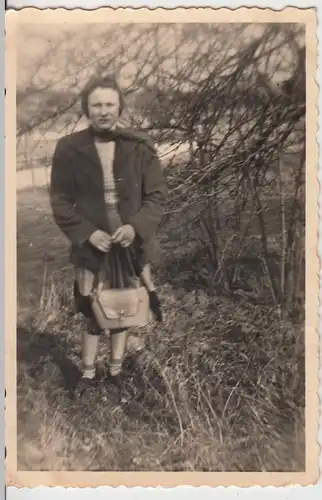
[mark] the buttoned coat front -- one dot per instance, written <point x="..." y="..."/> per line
<point x="77" y="193"/>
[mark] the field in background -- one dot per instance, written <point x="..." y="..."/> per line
<point x="220" y="386"/>
<point x="34" y="156"/>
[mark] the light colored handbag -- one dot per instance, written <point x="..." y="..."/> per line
<point x="121" y="308"/>
<point x="117" y="308"/>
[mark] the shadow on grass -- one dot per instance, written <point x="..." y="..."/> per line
<point x="38" y="352"/>
<point x="35" y="350"/>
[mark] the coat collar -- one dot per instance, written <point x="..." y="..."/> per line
<point x="84" y="143"/>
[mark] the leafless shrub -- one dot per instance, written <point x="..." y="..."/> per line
<point x="209" y="87"/>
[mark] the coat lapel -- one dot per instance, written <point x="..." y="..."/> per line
<point x="124" y="163"/>
<point x="87" y="147"/>
<point x="90" y="160"/>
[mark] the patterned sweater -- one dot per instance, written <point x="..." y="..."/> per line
<point x="106" y="152"/>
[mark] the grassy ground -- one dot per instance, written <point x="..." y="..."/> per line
<point x="220" y="386"/>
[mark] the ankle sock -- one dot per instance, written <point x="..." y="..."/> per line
<point x="118" y="341"/>
<point x="115" y="367"/>
<point x="88" y="372"/>
<point x="90" y="348"/>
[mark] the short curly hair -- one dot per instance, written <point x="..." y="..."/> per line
<point x="106" y="82"/>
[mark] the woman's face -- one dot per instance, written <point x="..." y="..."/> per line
<point x="103" y="108"/>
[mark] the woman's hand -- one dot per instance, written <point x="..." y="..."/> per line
<point x="101" y="240"/>
<point x="124" y="235"/>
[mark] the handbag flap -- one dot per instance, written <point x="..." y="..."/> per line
<point x="119" y="303"/>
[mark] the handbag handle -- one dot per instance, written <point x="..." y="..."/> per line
<point x="127" y="254"/>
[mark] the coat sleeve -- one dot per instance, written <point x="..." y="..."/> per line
<point x="74" y="226"/>
<point x="154" y="197"/>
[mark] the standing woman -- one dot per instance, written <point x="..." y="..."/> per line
<point x="107" y="194"/>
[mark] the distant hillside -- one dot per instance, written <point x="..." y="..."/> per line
<point x="35" y="107"/>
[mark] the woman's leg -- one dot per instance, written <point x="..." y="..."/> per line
<point x="84" y="281"/>
<point x="118" y="343"/>
<point x="90" y="349"/>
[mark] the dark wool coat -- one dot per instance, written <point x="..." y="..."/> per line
<point x="77" y="193"/>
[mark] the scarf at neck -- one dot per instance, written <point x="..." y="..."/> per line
<point x="121" y="133"/>
<point x="105" y="135"/>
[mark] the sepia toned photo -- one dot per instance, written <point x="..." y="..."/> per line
<point x="162" y="287"/>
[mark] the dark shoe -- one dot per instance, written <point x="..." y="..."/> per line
<point x="116" y="389"/>
<point x="84" y="384"/>
<point x="155" y="306"/>
<point x="124" y="389"/>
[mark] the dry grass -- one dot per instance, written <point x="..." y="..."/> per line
<point x="220" y="386"/>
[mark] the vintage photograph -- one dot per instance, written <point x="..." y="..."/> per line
<point x="161" y="186"/>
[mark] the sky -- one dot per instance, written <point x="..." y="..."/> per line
<point x="42" y="38"/>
